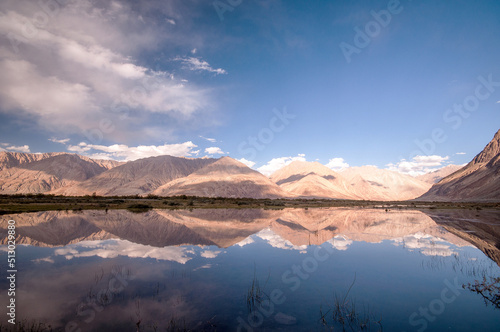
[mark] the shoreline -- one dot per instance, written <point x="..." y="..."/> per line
<point x="13" y="204"/>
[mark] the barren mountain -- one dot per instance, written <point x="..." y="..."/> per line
<point x="480" y="228"/>
<point x="479" y="180"/>
<point x="312" y="179"/>
<point x="42" y="173"/>
<point x="436" y="176"/>
<point x="225" y="227"/>
<point x="14" y="159"/>
<point x="137" y="177"/>
<point x="372" y="183"/>
<point x="225" y="177"/>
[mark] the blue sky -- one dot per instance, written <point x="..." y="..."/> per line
<point x="407" y="85"/>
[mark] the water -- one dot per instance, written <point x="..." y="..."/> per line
<point x="261" y="270"/>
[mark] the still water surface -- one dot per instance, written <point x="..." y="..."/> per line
<point x="261" y="270"/>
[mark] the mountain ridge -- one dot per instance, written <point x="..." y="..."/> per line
<point x="479" y="180"/>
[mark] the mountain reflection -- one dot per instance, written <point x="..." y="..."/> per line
<point x="160" y="231"/>
<point x="194" y="268"/>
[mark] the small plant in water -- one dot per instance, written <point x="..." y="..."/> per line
<point x="345" y="315"/>
<point x="256" y="294"/>
<point x="489" y="290"/>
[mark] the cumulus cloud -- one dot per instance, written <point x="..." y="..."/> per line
<point x="427" y="244"/>
<point x="277" y="163"/>
<point x="78" y="66"/>
<point x="115" y="248"/>
<point x="126" y="153"/>
<point x="277" y="241"/>
<point x="249" y="163"/>
<point x="197" y="64"/>
<point x="418" y="165"/>
<point x="13" y="148"/>
<point x="214" y="150"/>
<point x="210" y="253"/>
<point x="337" y="164"/>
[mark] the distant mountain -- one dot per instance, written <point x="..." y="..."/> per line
<point x="225" y="177"/>
<point x="14" y="159"/>
<point x="137" y="177"/>
<point x="372" y="183"/>
<point x="312" y="179"/>
<point x="436" y="176"/>
<point x="74" y="175"/>
<point x="479" y="180"/>
<point x="42" y="173"/>
<point x="228" y="227"/>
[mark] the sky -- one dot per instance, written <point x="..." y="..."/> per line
<point x="410" y="85"/>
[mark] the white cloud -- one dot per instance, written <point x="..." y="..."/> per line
<point x="340" y="242"/>
<point x="210" y="253"/>
<point x="419" y="165"/>
<point x="212" y="140"/>
<point x="460" y="153"/>
<point x="246" y="162"/>
<point x="244" y="242"/>
<point x="277" y="241"/>
<point x="45" y="259"/>
<point x="60" y="141"/>
<point x="277" y="163"/>
<point x="13" y="148"/>
<point x="196" y="64"/>
<point x="337" y="164"/>
<point x="124" y="152"/>
<point x="193" y="51"/>
<point x="427" y="244"/>
<point x="80" y="68"/>
<point x="115" y="248"/>
<point x="170" y="21"/>
<point x="214" y="150"/>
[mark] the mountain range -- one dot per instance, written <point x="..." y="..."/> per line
<point x="223" y="227"/>
<point x="75" y="175"/>
<point x="286" y="229"/>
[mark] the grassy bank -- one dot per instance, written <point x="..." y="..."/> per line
<point x="39" y="202"/>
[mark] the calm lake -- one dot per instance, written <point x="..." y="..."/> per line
<point x="255" y="270"/>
